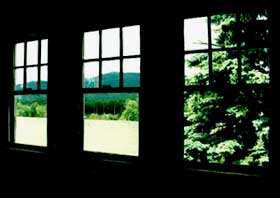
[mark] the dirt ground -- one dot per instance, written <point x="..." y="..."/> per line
<point x="107" y="136"/>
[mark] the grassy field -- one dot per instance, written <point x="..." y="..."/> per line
<point x="107" y="136"/>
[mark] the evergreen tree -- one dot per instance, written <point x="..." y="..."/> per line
<point x="229" y="124"/>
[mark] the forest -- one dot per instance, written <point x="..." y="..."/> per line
<point x="105" y="106"/>
<point x="226" y="108"/>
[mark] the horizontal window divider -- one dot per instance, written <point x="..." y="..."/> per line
<point x="107" y="27"/>
<point x="224" y="172"/>
<point x="110" y="157"/>
<point x="225" y="87"/>
<point x="30" y="38"/>
<point x="27" y="148"/>
<point x="26" y="66"/>
<point x="112" y="90"/>
<point x="225" y="169"/>
<point x="226" y="49"/>
<point x="26" y="92"/>
<point x="111" y="58"/>
<point x="131" y="56"/>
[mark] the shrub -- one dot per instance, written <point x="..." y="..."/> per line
<point x="131" y="111"/>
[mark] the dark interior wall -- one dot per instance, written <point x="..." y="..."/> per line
<point x="162" y="77"/>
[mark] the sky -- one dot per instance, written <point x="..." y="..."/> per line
<point x="196" y="38"/>
<point x="195" y="32"/>
<point x="31" y="59"/>
<point x="111" y="48"/>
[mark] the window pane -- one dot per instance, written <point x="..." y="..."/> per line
<point x="91" y="75"/>
<point x="131" y="40"/>
<point x="32" y="78"/>
<point x="131" y="72"/>
<point x="44" y="77"/>
<point x="31" y="119"/>
<point x="91" y="45"/>
<point x="44" y="51"/>
<point x="196" y="33"/>
<point x="19" y="79"/>
<point x="111" y="73"/>
<point x="255" y="30"/>
<point x="224" y="31"/>
<point x="227" y="127"/>
<point x="255" y="66"/>
<point x="196" y="69"/>
<point x="225" y="66"/>
<point x="111" y="42"/>
<point x="32" y="53"/>
<point x="111" y="123"/>
<point x="19" y="54"/>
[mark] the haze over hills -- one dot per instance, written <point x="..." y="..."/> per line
<point x="112" y="79"/>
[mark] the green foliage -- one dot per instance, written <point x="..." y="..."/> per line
<point x="131" y="111"/>
<point x="199" y="66"/>
<point x="33" y="110"/>
<point x="230" y="126"/>
<point x="195" y="150"/>
<point x="225" y="68"/>
<point x="226" y="28"/>
<point x="225" y="152"/>
<point x="95" y="116"/>
<point x="200" y="107"/>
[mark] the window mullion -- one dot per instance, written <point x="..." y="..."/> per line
<point x="121" y="57"/>
<point x="24" y="66"/>
<point x="211" y="80"/>
<point x="39" y="65"/>
<point x="100" y="62"/>
<point x="239" y="67"/>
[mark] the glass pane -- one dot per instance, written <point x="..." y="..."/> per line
<point x="131" y="40"/>
<point x="196" y="69"/>
<point x="131" y="72"/>
<point x="255" y="30"/>
<point x="111" y="43"/>
<point x="19" y="54"/>
<point x="225" y="66"/>
<point x="91" y="75"/>
<point x="44" y="51"/>
<point x="19" y="79"/>
<point x="255" y="66"/>
<point x="31" y="119"/>
<point x="227" y="127"/>
<point x="32" y="53"/>
<point x="32" y="78"/>
<point x="224" y="31"/>
<point x="91" y="45"/>
<point x="44" y="77"/>
<point x="111" y="123"/>
<point x="196" y="33"/>
<point x="111" y="73"/>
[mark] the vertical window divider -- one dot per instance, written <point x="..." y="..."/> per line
<point x="239" y="63"/>
<point x="39" y="64"/>
<point x="24" y="65"/>
<point x="121" y="57"/>
<point x="210" y="64"/>
<point x="100" y="59"/>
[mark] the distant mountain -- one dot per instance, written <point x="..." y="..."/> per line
<point x="113" y="80"/>
<point x="33" y="85"/>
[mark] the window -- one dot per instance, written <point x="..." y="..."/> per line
<point x="111" y="86"/>
<point x="29" y="106"/>
<point x="227" y="84"/>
